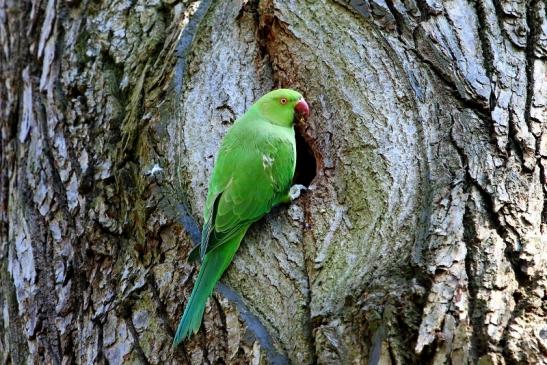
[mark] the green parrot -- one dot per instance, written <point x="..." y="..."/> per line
<point x="253" y="173"/>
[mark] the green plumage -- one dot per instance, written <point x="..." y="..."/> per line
<point x="252" y="173"/>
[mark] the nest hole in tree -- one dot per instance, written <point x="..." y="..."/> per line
<point x="306" y="165"/>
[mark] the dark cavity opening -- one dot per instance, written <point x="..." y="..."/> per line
<point x="306" y="166"/>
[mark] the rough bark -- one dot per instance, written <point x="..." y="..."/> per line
<point x="422" y="241"/>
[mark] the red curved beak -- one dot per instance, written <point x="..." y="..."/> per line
<point x="302" y="108"/>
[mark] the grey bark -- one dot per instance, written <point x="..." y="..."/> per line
<point x="422" y="241"/>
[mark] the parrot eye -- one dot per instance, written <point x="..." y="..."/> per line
<point x="283" y="101"/>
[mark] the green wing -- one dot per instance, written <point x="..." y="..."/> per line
<point x="253" y="172"/>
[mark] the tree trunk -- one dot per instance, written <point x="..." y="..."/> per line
<point x="423" y="240"/>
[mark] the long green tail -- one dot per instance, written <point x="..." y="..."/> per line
<point x="212" y="268"/>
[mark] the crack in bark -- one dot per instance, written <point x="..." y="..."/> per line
<point x="488" y="59"/>
<point x="189" y="223"/>
<point x="399" y="20"/>
<point x="254" y="325"/>
<point x="161" y="312"/>
<point x="534" y="23"/>
<point x="499" y="17"/>
<point x="514" y="145"/>
<point x="46" y="293"/>
<point x="18" y="344"/>
<point x="478" y="342"/>
<point x="480" y="339"/>
<point x="478" y="107"/>
<point x="136" y="343"/>
<point x="426" y="11"/>
<point x="482" y="26"/>
<point x="185" y="43"/>
<point x="309" y="264"/>
<point x="43" y="248"/>
<point x="203" y="340"/>
<point x="101" y="360"/>
<point x="222" y="316"/>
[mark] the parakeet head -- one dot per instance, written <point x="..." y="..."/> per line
<point x="282" y="105"/>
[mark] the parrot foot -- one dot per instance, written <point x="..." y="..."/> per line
<point x="296" y="190"/>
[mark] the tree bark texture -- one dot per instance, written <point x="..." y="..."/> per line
<point x="423" y="240"/>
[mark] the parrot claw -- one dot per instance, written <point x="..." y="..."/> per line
<point x="296" y="190"/>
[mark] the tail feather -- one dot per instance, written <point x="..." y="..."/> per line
<point x="212" y="268"/>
